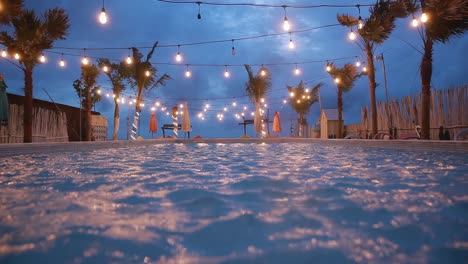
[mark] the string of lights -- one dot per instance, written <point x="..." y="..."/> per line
<point x="200" y="42"/>
<point x="260" y="5"/>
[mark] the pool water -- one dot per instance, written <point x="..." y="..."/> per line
<point x="235" y="203"/>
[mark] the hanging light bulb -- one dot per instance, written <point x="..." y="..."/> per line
<point x="291" y="94"/>
<point x="147" y="73"/>
<point x="291" y="43"/>
<point x="103" y="16"/>
<point x="105" y="68"/>
<point x="262" y="72"/>
<point x="62" y="62"/>
<point x="286" y="25"/>
<point x="4" y="53"/>
<point x="358" y="62"/>
<point x="17" y="56"/>
<point x="352" y="35"/>
<point x="188" y="73"/>
<point x="424" y="17"/>
<point x="226" y="72"/>
<point x="129" y="60"/>
<point x="337" y="80"/>
<point x="85" y="60"/>
<point x="199" y="15"/>
<point x="233" y="50"/>
<point x="178" y="57"/>
<point x="414" y="22"/>
<point x="360" y="22"/>
<point x="297" y="71"/>
<point x="328" y="68"/>
<point x="42" y="58"/>
<point x="364" y="69"/>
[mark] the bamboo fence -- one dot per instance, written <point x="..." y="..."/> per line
<point x="48" y="125"/>
<point x="449" y="108"/>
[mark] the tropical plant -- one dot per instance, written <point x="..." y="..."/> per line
<point x="446" y="19"/>
<point x="31" y="35"/>
<point x="88" y="92"/>
<point x="257" y="87"/>
<point x="344" y="79"/>
<point x="10" y="9"/>
<point x="117" y="74"/>
<point x="374" y="32"/>
<point x="143" y="77"/>
<point x="302" y="100"/>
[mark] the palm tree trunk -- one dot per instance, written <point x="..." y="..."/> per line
<point x="301" y="118"/>
<point x="137" y="114"/>
<point x="426" y="74"/>
<point x="116" y="119"/>
<point x="28" y="104"/>
<point x="372" y="86"/>
<point x="340" y="113"/>
<point x="89" y="131"/>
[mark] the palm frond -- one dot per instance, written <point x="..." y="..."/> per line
<point x="446" y="19"/>
<point x="10" y="9"/>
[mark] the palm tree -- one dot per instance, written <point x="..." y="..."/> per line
<point x="10" y="9"/>
<point x="32" y="35"/>
<point x="302" y="100"/>
<point x="117" y="74"/>
<point x="344" y="79"/>
<point x="257" y="87"/>
<point x="143" y="77"/>
<point x="446" y="19"/>
<point x="86" y="86"/>
<point x="375" y="31"/>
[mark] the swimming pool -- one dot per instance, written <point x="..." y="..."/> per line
<point x="234" y="203"/>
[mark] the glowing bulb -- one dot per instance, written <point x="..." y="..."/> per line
<point x="352" y="35"/>
<point x="337" y="80"/>
<point x="297" y="71"/>
<point x="98" y="91"/>
<point x="364" y="69"/>
<point x="42" y="58"/>
<point x="424" y="17"/>
<point x="188" y="73"/>
<point x="298" y="101"/>
<point x="226" y="74"/>
<point x="414" y="22"/>
<point x="129" y="60"/>
<point x="105" y="68"/>
<point x="178" y="57"/>
<point x="328" y="68"/>
<point x="291" y="94"/>
<point x="103" y="16"/>
<point x="85" y="60"/>
<point x="360" y="23"/>
<point x="262" y="100"/>
<point x="17" y="56"/>
<point x="147" y="73"/>
<point x="234" y="103"/>
<point x="207" y="106"/>
<point x="62" y="63"/>
<point x="263" y="73"/>
<point x="358" y="64"/>
<point x="286" y="25"/>
<point x="284" y="101"/>
<point x="291" y="44"/>
<point x="4" y="53"/>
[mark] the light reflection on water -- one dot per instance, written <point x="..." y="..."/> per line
<point x="234" y="203"/>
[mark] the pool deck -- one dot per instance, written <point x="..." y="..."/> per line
<point x="7" y="150"/>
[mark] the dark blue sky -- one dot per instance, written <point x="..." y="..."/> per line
<point x="140" y="23"/>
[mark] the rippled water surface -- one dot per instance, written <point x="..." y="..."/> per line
<point x="235" y="203"/>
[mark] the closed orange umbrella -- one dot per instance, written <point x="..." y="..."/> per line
<point x="276" y="123"/>
<point x="153" y="128"/>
